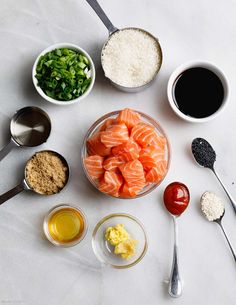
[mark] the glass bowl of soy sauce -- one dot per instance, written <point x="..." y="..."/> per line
<point x="198" y="91"/>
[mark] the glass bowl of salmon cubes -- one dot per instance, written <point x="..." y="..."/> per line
<point x="126" y="154"/>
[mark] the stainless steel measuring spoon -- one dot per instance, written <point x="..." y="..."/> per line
<point x="30" y="126"/>
<point x="25" y="185"/>
<point x="111" y="30"/>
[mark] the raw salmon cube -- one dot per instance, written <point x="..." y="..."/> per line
<point x="128" y="191"/>
<point x="129" y="117"/>
<point x="112" y="163"/>
<point x="157" y="173"/>
<point x="94" y="166"/>
<point x="115" y="135"/>
<point x="150" y="155"/>
<point x="111" y="183"/>
<point x="107" y="123"/>
<point x="128" y="151"/>
<point x="96" y="147"/>
<point x="143" y="134"/>
<point x="133" y="172"/>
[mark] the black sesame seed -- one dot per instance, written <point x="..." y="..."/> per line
<point x="203" y="152"/>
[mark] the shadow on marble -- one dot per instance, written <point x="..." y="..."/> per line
<point x="103" y="83"/>
<point x="28" y="90"/>
<point x="5" y="131"/>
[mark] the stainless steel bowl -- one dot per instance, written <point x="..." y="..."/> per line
<point x="111" y="30"/>
<point x="138" y="88"/>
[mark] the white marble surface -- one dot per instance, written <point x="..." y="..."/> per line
<point x="35" y="273"/>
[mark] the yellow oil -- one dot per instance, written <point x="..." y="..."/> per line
<point x="66" y="225"/>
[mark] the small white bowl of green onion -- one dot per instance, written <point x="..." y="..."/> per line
<point x="63" y="74"/>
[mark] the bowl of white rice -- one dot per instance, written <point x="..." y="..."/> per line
<point x="131" y="59"/>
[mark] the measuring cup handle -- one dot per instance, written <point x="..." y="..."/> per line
<point x="7" y="149"/>
<point x="8" y="195"/>
<point x="101" y="14"/>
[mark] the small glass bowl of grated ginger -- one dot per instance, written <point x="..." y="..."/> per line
<point x="125" y="249"/>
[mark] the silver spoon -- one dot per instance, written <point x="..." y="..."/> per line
<point x="176" y="198"/>
<point x="217" y="220"/>
<point x="205" y="156"/>
<point x="175" y="284"/>
<point x="30" y="126"/>
<point x="111" y="30"/>
<point x="25" y="185"/>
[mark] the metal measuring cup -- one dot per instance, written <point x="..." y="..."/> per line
<point x="30" y="126"/>
<point x="111" y="30"/>
<point x="25" y="185"/>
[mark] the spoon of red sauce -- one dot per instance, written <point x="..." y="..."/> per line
<point x="176" y="199"/>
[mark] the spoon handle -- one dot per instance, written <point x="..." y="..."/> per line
<point x="229" y="243"/>
<point x="175" y="284"/>
<point x="5" y="150"/>
<point x="226" y="191"/>
<point x="101" y="14"/>
<point x="8" y="195"/>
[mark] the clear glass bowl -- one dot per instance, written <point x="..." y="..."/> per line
<point x="146" y="119"/>
<point x="104" y="251"/>
<point x="51" y="212"/>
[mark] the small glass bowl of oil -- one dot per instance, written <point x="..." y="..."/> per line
<point x="65" y="225"/>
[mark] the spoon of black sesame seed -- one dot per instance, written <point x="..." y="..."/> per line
<point x="205" y="156"/>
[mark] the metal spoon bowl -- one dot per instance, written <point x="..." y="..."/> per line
<point x="25" y="185"/>
<point x="111" y="30"/>
<point x="30" y="126"/>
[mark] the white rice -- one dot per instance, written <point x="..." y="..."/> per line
<point x="131" y="58"/>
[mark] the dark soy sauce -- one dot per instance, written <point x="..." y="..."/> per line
<point x="198" y="92"/>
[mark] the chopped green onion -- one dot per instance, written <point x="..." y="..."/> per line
<point x="63" y="74"/>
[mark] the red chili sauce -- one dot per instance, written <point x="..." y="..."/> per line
<point x="176" y="198"/>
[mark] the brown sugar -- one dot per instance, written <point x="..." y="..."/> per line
<point x="46" y="173"/>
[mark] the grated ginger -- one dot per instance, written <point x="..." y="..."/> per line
<point x="119" y="238"/>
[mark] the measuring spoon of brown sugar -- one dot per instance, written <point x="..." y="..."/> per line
<point x="30" y="126"/>
<point x="26" y="185"/>
<point x="205" y="156"/>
